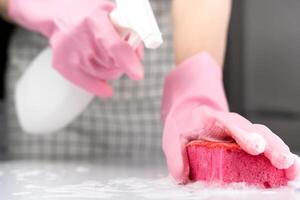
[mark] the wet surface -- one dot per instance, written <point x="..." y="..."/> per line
<point x="62" y="181"/>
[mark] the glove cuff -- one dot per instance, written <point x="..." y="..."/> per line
<point x="199" y="80"/>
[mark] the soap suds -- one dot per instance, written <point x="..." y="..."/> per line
<point x="26" y="175"/>
<point x="153" y="189"/>
<point x="95" y="182"/>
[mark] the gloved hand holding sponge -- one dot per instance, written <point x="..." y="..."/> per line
<point x="195" y="108"/>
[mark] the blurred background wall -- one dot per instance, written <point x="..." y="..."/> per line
<point x="262" y="70"/>
<point x="263" y="65"/>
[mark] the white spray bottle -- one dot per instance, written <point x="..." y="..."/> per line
<point x="46" y="102"/>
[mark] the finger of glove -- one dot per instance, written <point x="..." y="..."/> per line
<point x="276" y="150"/>
<point x="95" y="86"/>
<point x="140" y="51"/>
<point x="83" y="80"/>
<point x="126" y="58"/>
<point x="108" y="42"/>
<point x="242" y="131"/>
<point x="174" y="147"/>
<point x="292" y="172"/>
<point x="97" y="69"/>
<point x="104" y="89"/>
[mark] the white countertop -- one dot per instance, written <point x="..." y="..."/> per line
<point x="80" y="181"/>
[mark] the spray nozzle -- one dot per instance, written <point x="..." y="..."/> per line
<point x="137" y="17"/>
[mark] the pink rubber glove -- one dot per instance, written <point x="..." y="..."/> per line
<point x="87" y="50"/>
<point x="195" y="107"/>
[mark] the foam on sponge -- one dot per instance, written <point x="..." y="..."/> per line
<point x="227" y="163"/>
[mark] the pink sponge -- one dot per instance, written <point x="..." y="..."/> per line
<point x="227" y="162"/>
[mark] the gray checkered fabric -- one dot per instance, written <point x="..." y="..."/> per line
<point x="126" y="126"/>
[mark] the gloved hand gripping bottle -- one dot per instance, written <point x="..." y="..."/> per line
<point x="46" y="101"/>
